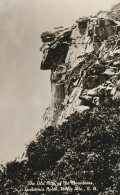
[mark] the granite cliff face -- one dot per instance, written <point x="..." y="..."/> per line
<point x="84" y="61"/>
<point x="79" y="142"/>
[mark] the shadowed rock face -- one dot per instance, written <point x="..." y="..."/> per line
<point x="55" y="48"/>
<point x="84" y="61"/>
<point x="55" y="56"/>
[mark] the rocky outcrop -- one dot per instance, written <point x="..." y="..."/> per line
<point x="79" y="141"/>
<point x="113" y="13"/>
<point x="84" y="61"/>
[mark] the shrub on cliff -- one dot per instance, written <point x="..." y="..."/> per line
<point x="94" y="141"/>
<point x="86" y="147"/>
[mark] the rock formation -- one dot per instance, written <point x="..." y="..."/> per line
<point x="84" y="61"/>
<point x="114" y="13"/>
<point x="79" y="142"/>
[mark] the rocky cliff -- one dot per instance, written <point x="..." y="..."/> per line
<point x="84" y="61"/>
<point x="80" y="141"/>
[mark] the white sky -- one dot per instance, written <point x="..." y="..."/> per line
<point x="24" y="88"/>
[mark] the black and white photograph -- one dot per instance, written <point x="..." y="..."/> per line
<point x="59" y="97"/>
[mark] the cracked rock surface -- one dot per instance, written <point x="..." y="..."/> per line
<point x="84" y="61"/>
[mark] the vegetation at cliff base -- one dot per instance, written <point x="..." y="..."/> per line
<point x="85" y="148"/>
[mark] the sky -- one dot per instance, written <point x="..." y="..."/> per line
<point x="25" y="89"/>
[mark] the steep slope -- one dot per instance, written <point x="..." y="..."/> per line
<point x="79" y="141"/>
<point x="84" y="62"/>
<point x="84" y="149"/>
